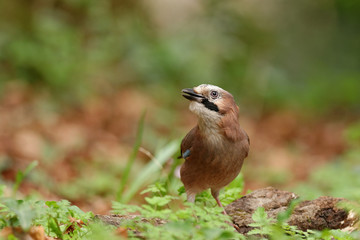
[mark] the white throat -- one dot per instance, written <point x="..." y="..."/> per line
<point x="208" y="123"/>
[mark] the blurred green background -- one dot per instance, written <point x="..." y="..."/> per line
<point x="75" y="76"/>
<point x="272" y="54"/>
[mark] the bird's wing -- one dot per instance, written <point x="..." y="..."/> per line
<point x="187" y="143"/>
<point x="247" y="136"/>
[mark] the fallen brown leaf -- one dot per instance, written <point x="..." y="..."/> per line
<point x="37" y="233"/>
<point x="121" y="231"/>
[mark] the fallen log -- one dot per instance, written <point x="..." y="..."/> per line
<point x="318" y="214"/>
<point x="321" y="213"/>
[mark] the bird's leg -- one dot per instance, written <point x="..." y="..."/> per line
<point x="215" y="194"/>
<point x="190" y="196"/>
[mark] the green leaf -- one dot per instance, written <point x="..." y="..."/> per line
<point x="2" y="190"/>
<point x="181" y="190"/>
<point x="155" y="188"/>
<point x="285" y="215"/>
<point x="120" y="208"/>
<point x="179" y="228"/>
<point x="55" y="228"/>
<point x="21" y="175"/>
<point x="25" y="215"/>
<point x="52" y="204"/>
<point x="159" y="201"/>
<point x="262" y="222"/>
<point x="12" y="237"/>
<point x="22" y="210"/>
<point x="259" y="215"/>
<point x="184" y="214"/>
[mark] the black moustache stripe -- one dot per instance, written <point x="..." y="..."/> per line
<point x="210" y="105"/>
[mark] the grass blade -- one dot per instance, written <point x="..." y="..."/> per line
<point x="151" y="168"/>
<point x="21" y="175"/>
<point x="130" y="162"/>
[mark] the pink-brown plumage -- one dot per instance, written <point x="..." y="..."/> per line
<point x="214" y="150"/>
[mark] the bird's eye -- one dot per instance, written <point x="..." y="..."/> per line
<point x="214" y="94"/>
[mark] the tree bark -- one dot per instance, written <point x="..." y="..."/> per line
<point x="318" y="214"/>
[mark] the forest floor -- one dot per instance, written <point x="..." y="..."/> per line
<point x="81" y="149"/>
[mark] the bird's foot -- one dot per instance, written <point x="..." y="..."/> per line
<point x="224" y="212"/>
<point x="231" y="223"/>
<point x="235" y="226"/>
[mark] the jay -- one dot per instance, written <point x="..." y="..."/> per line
<point x="214" y="150"/>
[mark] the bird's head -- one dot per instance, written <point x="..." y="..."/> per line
<point x="213" y="105"/>
<point x="209" y="101"/>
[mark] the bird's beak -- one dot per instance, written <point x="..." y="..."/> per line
<point x="191" y="95"/>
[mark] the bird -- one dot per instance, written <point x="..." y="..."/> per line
<point x="215" y="149"/>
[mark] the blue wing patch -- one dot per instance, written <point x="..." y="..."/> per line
<point x="186" y="154"/>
